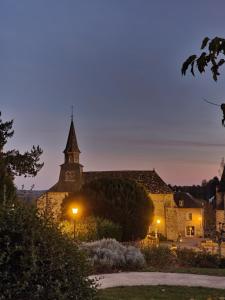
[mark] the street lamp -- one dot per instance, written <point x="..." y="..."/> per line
<point x="75" y="212"/>
<point x="158" y="221"/>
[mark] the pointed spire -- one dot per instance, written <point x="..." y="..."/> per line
<point x="71" y="145"/>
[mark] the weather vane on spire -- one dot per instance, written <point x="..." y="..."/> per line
<point x="72" y="113"/>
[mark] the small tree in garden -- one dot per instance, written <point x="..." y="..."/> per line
<point x="13" y="163"/>
<point x="37" y="261"/>
<point x="121" y="200"/>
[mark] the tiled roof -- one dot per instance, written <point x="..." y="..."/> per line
<point x="186" y="200"/>
<point x="150" y="179"/>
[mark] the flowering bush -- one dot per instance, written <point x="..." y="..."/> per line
<point x="109" y="255"/>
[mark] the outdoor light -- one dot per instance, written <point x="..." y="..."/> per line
<point x="158" y="221"/>
<point x="74" y="211"/>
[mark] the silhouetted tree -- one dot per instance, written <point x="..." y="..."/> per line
<point x="122" y="201"/>
<point x="213" y="50"/>
<point x="13" y="163"/>
<point x="204" y="191"/>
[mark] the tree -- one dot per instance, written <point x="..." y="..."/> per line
<point x="13" y="163"/>
<point x="37" y="261"/>
<point x="214" y="49"/>
<point x="122" y="201"/>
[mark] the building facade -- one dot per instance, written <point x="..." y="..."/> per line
<point x="190" y="215"/>
<point x="219" y="202"/>
<point x="169" y="217"/>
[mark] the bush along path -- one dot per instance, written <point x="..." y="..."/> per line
<point x="158" y="278"/>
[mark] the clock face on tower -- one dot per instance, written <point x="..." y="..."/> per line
<point x="70" y="176"/>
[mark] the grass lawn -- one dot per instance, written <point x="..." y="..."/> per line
<point x="200" y="271"/>
<point x="160" y="292"/>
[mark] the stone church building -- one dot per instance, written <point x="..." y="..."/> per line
<point x="172" y="216"/>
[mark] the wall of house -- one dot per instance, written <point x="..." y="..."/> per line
<point x="171" y="223"/>
<point x="219" y="217"/>
<point x="197" y="220"/>
<point x="50" y="203"/>
<point x="161" y="202"/>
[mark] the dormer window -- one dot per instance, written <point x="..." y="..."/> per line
<point x="181" y="203"/>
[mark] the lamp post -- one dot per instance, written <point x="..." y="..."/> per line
<point x="156" y="228"/>
<point x="74" y="211"/>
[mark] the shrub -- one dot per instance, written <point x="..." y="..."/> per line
<point x="222" y="262"/>
<point x="86" y="229"/>
<point x="109" y="255"/>
<point x="191" y="258"/>
<point x="186" y="257"/>
<point x="160" y="257"/>
<point x="91" y="229"/>
<point x="37" y="261"/>
<point x="108" y="229"/>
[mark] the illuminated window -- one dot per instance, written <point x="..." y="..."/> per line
<point x="190" y="231"/>
<point x="181" y="203"/>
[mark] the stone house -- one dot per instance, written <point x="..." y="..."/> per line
<point x="219" y="202"/>
<point x="190" y="215"/>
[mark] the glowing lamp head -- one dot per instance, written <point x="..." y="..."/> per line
<point x="158" y="221"/>
<point x="74" y="211"/>
<point x="199" y="218"/>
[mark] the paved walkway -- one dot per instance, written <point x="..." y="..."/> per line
<point x="158" y="278"/>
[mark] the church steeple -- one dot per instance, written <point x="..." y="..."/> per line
<point x="72" y="150"/>
<point x="70" y="177"/>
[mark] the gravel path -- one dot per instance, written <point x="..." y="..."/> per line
<point x="158" y="278"/>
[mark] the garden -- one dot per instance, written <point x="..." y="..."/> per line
<point x="44" y="259"/>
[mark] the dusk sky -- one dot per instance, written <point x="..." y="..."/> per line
<point x="118" y="63"/>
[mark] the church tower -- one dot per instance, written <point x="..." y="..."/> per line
<point x="70" y="178"/>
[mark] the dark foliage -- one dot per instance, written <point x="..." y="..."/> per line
<point x="160" y="257"/>
<point x="210" y="57"/>
<point x="37" y="261"/>
<point x="13" y="163"/>
<point x="205" y="191"/>
<point x="91" y="229"/>
<point x="123" y="201"/>
<point x="191" y="258"/>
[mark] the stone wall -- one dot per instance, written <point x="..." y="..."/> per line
<point x="50" y="204"/>
<point x="171" y="223"/>
<point x="219" y="217"/>
<point x="161" y="202"/>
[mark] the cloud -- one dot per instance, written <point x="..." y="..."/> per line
<point x="167" y="142"/>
